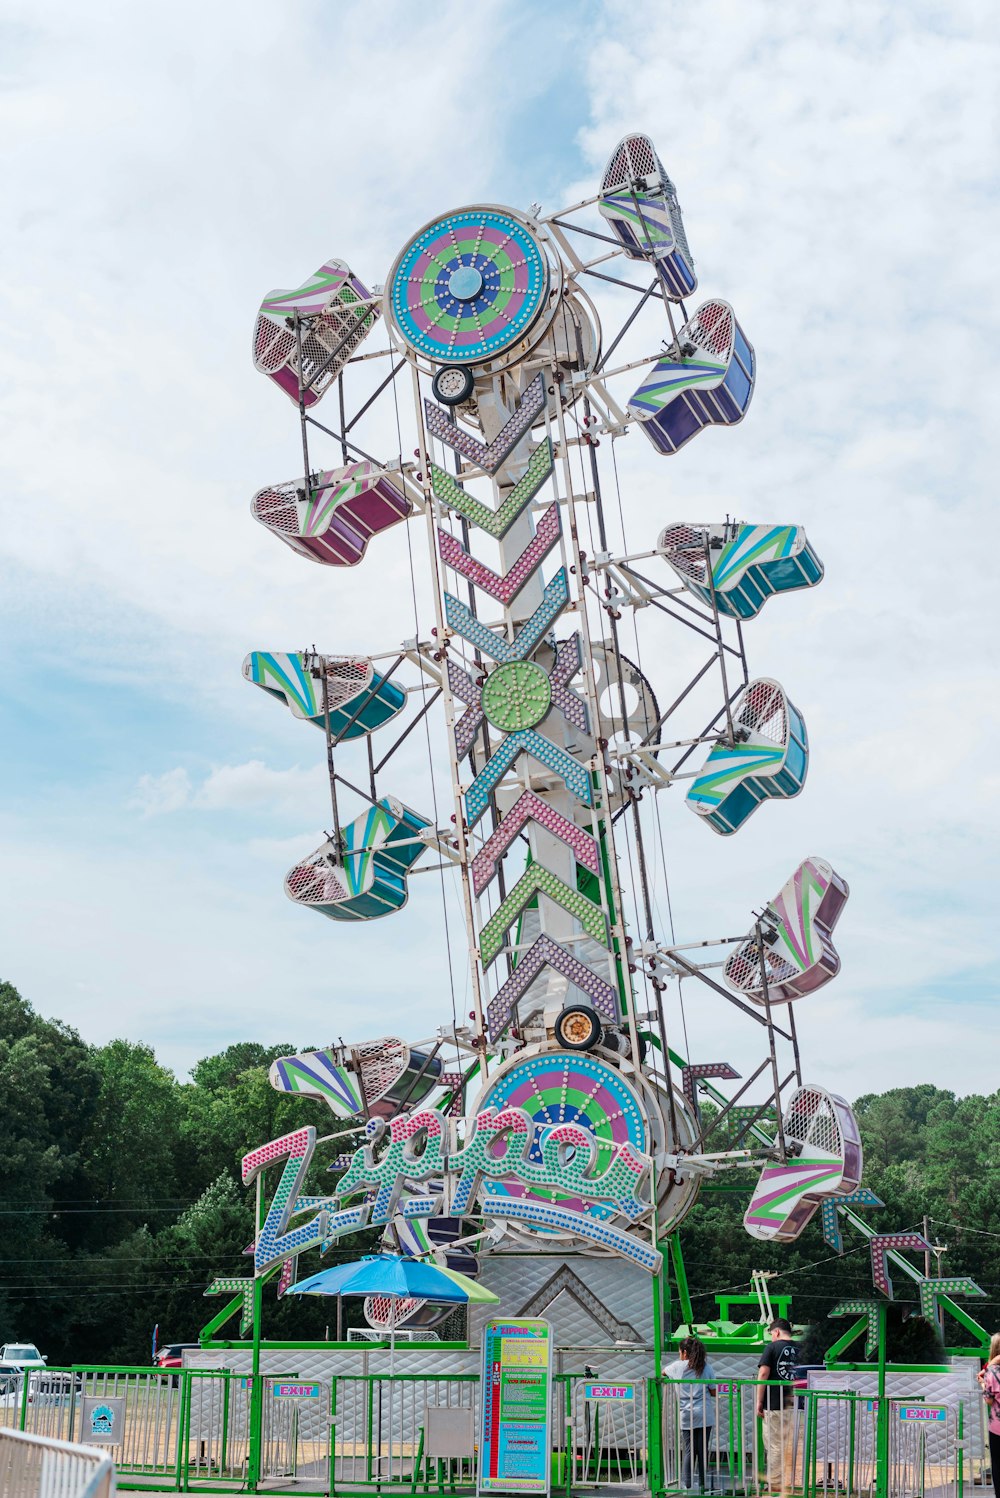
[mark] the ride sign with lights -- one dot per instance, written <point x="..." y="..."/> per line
<point x="564" y="1177"/>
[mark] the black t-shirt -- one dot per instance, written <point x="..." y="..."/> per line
<point x="780" y="1359"/>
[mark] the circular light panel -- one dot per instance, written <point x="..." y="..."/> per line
<point x="517" y="695"/>
<point x="469" y="286"/>
<point x="566" y="1087"/>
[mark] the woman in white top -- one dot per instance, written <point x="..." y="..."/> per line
<point x="696" y="1405"/>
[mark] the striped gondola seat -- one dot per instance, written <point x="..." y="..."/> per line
<point x="796" y="954"/>
<point x="366" y="877"/>
<point x="769" y="758"/>
<point x="749" y="563"/>
<point x="377" y="1077"/>
<point x="705" y="378"/>
<point x="324" y="320"/>
<point x="344" y="509"/>
<point x="824" y="1159"/>
<point x="356" y="697"/>
<point x="639" y="201"/>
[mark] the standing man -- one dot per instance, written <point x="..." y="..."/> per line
<point x="774" y="1404"/>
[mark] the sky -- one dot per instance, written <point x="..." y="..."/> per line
<point x="165" y="166"/>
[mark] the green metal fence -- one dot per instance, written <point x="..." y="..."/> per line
<point x="820" y="1443"/>
<point x="198" y="1430"/>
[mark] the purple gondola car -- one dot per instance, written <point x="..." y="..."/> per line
<point x="639" y="201"/>
<point x="335" y="312"/>
<point x="705" y="379"/>
<point x="334" y="522"/>
<point x="796" y="955"/>
<point x="824" y="1160"/>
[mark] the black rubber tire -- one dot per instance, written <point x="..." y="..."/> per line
<point x="464" y="391"/>
<point x="583" y="1025"/>
<point x="618" y="1041"/>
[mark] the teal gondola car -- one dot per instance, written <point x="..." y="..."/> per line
<point x="768" y="759"/>
<point x="366" y="876"/>
<point x="357" y="697"/>
<point x="749" y="563"/>
<point x="705" y="378"/>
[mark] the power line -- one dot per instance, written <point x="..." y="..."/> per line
<point x="57" y="1211"/>
<point x="103" y="1200"/>
<point x="943" y="1222"/>
<point x="782" y="1274"/>
<point x="86" y="1259"/>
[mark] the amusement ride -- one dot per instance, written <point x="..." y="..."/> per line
<point x="559" y="1128"/>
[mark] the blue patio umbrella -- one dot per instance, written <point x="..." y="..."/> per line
<point x="397" y="1278"/>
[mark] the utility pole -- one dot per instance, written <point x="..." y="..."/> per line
<point x="938" y="1250"/>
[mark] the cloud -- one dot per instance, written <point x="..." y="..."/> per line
<point x="159" y="795"/>
<point x="227" y="788"/>
<point x="836" y="169"/>
<point x="236" y="787"/>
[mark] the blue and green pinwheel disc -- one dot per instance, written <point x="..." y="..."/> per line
<point x="468" y="286"/>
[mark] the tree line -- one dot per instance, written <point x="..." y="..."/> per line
<point x="120" y="1197"/>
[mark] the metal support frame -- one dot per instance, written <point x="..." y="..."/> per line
<point x="591" y="412"/>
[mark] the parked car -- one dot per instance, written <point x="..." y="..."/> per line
<point x="44" y="1388"/>
<point x="22" y="1355"/>
<point x="169" y="1355"/>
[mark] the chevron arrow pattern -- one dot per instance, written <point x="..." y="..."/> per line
<point x="489" y="455"/>
<point x="690" y="1075"/>
<point x="575" y="776"/>
<point x="545" y="952"/>
<point x="830" y="1217"/>
<point x="244" y="1288"/>
<point x="464" y="622"/>
<point x="930" y="1290"/>
<point x="504" y="587"/>
<point x="880" y="1244"/>
<point x="530" y="808"/>
<point x="495" y="523"/>
<point x="466" y="690"/>
<point x="866" y="1308"/>
<point x="539" y="881"/>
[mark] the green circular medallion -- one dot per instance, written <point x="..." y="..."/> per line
<point x="516" y="696"/>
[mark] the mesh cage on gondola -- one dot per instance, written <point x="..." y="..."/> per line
<point x="639" y="201"/>
<point x="303" y="338"/>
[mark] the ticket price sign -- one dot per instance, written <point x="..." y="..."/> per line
<point x="514" y="1445"/>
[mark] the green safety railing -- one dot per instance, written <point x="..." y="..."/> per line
<point x="831" y="1442"/>
<point x="202" y="1430"/>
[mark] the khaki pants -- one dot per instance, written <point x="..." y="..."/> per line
<point x="778" y="1426"/>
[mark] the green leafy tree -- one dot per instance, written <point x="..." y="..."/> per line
<point x="48" y="1082"/>
<point x="121" y="1199"/>
<point x="218" y="1073"/>
<point x="131" y="1144"/>
<point x="231" y="1108"/>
